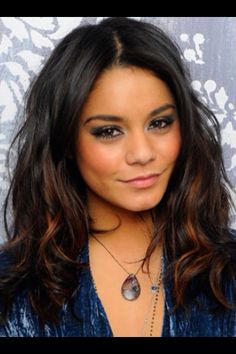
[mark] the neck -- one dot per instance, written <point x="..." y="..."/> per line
<point x="133" y="233"/>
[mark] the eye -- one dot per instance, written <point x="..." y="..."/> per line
<point x="106" y="132"/>
<point x="161" y="123"/>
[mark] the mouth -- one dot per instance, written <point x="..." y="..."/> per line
<point x="142" y="181"/>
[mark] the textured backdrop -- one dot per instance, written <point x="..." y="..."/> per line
<point x="208" y="45"/>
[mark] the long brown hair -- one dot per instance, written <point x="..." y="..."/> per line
<point x="51" y="222"/>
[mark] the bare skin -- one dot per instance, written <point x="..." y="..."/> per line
<point x="142" y="140"/>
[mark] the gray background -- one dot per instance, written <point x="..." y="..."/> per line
<point x="208" y="45"/>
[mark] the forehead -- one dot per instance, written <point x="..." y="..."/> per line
<point x="122" y="89"/>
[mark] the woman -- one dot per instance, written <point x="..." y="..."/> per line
<point x="120" y="199"/>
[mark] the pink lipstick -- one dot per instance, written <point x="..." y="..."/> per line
<point x="143" y="181"/>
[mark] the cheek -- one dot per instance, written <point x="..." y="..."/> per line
<point x="97" y="158"/>
<point x="169" y="148"/>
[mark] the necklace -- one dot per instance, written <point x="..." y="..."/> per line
<point x="154" y="300"/>
<point x="130" y="288"/>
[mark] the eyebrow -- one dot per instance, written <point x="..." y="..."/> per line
<point x="113" y="118"/>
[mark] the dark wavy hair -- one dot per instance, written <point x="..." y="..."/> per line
<point x="51" y="222"/>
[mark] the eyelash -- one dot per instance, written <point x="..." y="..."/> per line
<point x="105" y="132"/>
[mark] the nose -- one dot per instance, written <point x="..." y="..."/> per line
<point x="139" y="150"/>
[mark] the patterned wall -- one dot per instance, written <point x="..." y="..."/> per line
<point x="208" y="45"/>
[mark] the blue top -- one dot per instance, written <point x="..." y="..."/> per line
<point x="92" y="321"/>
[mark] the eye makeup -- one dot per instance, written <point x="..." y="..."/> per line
<point x="162" y="123"/>
<point x="113" y="131"/>
<point x="105" y="132"/>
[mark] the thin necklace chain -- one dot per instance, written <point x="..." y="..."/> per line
<point x="116" y="258"/>
<point x="153" y="303"/>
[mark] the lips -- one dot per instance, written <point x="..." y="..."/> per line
<point x="142" y="178"/>
<point x="143" y="181"/>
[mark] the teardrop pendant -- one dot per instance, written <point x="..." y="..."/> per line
<point x="130" y="289"/>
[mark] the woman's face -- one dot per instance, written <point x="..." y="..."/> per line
<point x="129" y="139"/>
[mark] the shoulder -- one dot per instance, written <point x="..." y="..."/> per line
<point x="21" y="320"/>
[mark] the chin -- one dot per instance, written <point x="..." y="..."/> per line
<point x="142" y="206"/>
